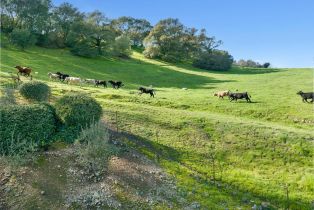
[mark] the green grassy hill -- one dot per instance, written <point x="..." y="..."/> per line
<point x="222" y="154"/>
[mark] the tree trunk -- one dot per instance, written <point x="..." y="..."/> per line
<point x="98" y="44"/>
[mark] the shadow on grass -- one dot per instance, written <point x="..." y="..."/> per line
<point x="243" y="101"/>
<point x="237" y="70"/>
<point x="131" y="72"/>
<point x="162" y="152"/>
<point x="233" y="70"/>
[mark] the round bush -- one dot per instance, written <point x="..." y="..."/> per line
<point x="35" y="91"/>
<point x="78" y="110"/>
<point x="22" y="125"/>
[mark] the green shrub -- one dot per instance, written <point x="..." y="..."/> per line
<point x="122" y="46"/>
<point x="94" y="150"/>
<point x="78" y="110"/>
<point x="84" y="49"/>
<point x="35" y="91"/>
<point x="4" y="41"/>
<point x="27" y="124"/>
<point x="8" y="97"/>
<point x="22" y="38"/>
<point x="216" y="60"/>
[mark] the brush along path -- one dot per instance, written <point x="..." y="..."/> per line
<point x="58" y="181"/>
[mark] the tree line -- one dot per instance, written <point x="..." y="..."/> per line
<point x="250" y="63"/>
<point x="39" y="22"/>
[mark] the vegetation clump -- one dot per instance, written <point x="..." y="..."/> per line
<point x="78" y="110"/>
<point x="94" y="150"/>
<point x="252" y="64"/>
<point x="122" y="46"/>
<point x="35" y="91"/>
<point x="216" y="60"/>
<point x="22" y="38"/>
<point x="82" y="48"/>
<point x="22" y="125"/>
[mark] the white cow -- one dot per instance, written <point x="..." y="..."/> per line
<point x="73" y="80"/>
<point x="90" y="81"/>
<point x="53" y="76"/>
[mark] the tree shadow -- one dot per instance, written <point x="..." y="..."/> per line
<point x="238" y="70"/>
<point x="132" y="72"/>
<point x="163" y="152"/>
<point x="245" y="102"/>
<point x="233" y="70"/>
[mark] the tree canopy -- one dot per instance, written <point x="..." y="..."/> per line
<point x="29" y="22"/>
<point x="251" y="63"/>
<point x="135" y="29"/>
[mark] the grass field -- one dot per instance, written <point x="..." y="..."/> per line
<point x="223" y="154"/>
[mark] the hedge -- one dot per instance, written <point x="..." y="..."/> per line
<point x="78" y="110"/>
<point x="33" y="124"/>
<point x="35" y="91"/>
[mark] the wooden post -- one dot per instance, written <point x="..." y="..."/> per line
<point x="287" y="196"/>
<point x="117" y="126"/>
<point x="157" y="140"/>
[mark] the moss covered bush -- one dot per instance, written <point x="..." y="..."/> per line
<point x="78" y="110"/>
<point x="22" y="125"/>
<point x="35" y="91"/>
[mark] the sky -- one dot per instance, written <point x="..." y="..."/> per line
<point x="277" y="31"/>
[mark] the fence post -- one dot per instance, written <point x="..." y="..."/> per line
<point x="117" y="126"/>
<point x="287" y="196"/>
<point x="157" y="140"/>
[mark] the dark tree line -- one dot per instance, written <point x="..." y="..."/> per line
<point x="251" y="63"/>
<point x="28" y="22"/>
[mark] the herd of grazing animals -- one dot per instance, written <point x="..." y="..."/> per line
<point x="76" y="80"/>
<point x="26" y="71"/>
<point x="247" y="97"/>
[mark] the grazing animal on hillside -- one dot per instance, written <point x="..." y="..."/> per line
<point x="101" y="82"/>
<point x="221" y="94"/>
<point x="116" y="84"/>
<point x="147" y="91"/>
<point x="73" y="80"/>
<point x="306" y="96"/>
<point x="90" y="81"/>
<point x="53" y="76"/>
<point x="25" y="71"/>
<point x="62" y="76"/>
<point x="236" y="96"/>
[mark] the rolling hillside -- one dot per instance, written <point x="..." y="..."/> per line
<point x="222" y="154"/>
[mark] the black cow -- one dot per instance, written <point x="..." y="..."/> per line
<point x="306" y="96"/>
<point x="101" y="82"/>
<point x="116" y="84"/>
<point x="62" y="76"/>
<point x="236" y="96"/>
<point x="147" y="91"/>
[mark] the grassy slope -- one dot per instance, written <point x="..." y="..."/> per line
<point x="273" y="91"/>
<point x="260" y="146"/>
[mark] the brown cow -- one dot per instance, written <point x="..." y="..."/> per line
<point x="25" y="71"/>
<point x="221" y="94"/>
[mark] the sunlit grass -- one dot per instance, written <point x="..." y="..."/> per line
<point x="262" y="146"/>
